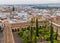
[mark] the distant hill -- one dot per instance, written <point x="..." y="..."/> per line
<point x="49" y="5"/>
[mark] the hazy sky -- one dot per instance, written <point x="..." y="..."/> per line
<point x="28" y="1"/>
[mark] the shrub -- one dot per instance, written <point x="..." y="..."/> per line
<point x="26" y="36"/>
<point x="21" y="33"/>
<point x="55" y="41"/>
<point x="37" y="27"/>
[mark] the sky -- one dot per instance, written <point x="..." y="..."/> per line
<point x="28" y="1"/>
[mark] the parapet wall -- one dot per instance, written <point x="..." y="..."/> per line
<point x="7" y="34"/>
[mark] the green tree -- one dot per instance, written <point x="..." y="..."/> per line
<point x="56" y="34"/>
<point x="51" y="33"/>
<point x="35" y="38"/>
<point x="31" y="29"/>
<point x="31" y="33"/>
<point x="37" y="27"/>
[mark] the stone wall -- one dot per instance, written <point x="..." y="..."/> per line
<point x="21" y="25"/>
<point x="7" y="34"/>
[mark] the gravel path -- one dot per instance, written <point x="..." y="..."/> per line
<point x="43" y="42"/>
<point x="17" y="39"/>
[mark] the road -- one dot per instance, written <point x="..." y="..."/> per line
<point x="1" y="37"/>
